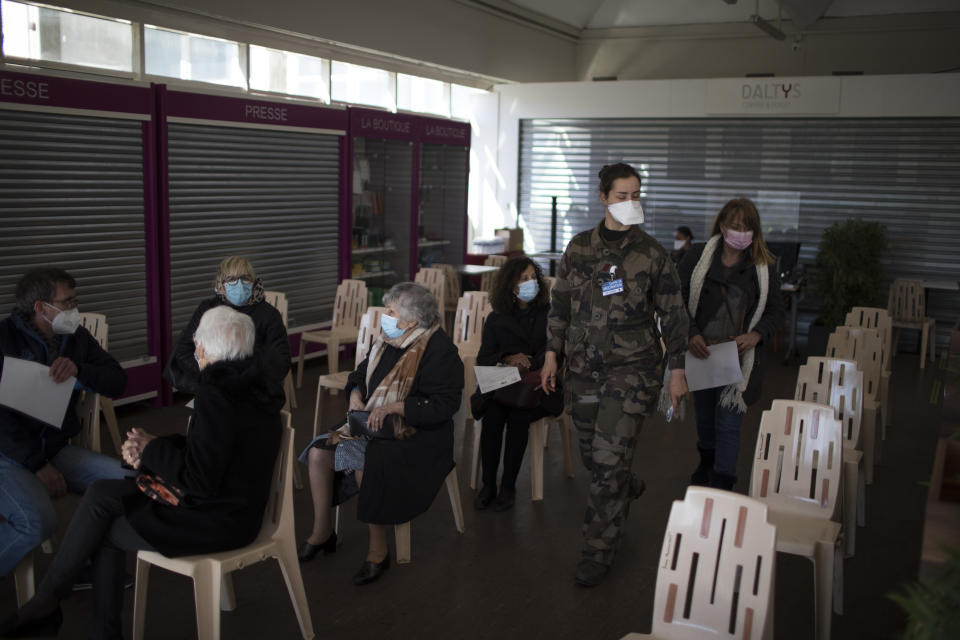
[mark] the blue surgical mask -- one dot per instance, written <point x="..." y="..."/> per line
<point x="528" y="290"/>
<point x="388" y="324"/>
<point x="238" y="292"/>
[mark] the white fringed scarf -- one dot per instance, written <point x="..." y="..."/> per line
<point x="732" y="396"/>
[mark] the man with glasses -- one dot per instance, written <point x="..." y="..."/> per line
<point x="236" y="285"/>
<point x="36" y="462"/>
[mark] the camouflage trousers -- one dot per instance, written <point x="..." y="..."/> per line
<point x="608" y="416"/>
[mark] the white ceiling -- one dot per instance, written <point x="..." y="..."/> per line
<point x="606" y="14"/>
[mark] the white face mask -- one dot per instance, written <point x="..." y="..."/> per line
<point x="627" y="212"/>
<point x="65" y="322"/>
<point x="679" y="244"/>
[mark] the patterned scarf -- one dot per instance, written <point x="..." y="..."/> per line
<point x="396" y="384"/>
<point x="732" y="395"/>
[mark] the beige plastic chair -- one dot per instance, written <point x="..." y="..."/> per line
<point x="96" y="324"/>
<point x="348" y="308"/>
<point x="24" y="576"/>
<point x="717" y="569"/>
<point x="402" y="531"/>
<point x="879" y="319"/>
<point x="279" y="301"/>
<point x="796" y="472"/>
<point x="839" y="383"/>
<point x="434" y="280"/>
<point x="907" y="306"/>
<point x="863" y="346"/>
<point x="472" y="311"/>
<point x="276" y="540"/>
<point x="367" y="334"/>
<point x="452" y="285"/>
<point x="487" y="279"/>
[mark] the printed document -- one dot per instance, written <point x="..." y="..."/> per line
<point x="28" y="388"/>
<point x="493" y="378"/>
<point x="719" y="370"/>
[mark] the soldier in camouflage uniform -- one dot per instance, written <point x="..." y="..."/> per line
<point x="611" y="281"/>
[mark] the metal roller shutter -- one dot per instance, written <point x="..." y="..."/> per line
<point x="272" y="196"/>
<point x="803" y="173"/>
<point x="443" y="199"/>
<point x="71" y="195"/>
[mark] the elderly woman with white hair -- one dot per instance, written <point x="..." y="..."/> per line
<point x="202" y="493"/>
<point x="410" y="384"/>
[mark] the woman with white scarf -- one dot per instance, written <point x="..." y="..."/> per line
<point x="732" y="291"/>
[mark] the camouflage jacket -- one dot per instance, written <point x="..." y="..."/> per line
<point x="600" y="332"/>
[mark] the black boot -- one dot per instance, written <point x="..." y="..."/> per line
<point x="701" y="476"/>
<point x="722" y="481"/>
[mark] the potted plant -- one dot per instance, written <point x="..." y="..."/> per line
<point x="847" y="274"/>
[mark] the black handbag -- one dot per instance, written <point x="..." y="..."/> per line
<point x="359" y="429"/>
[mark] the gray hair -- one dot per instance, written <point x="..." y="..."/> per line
<point x="225" y="334"/>
<point x="41" y="284"/>
<point x="413" y="303"/>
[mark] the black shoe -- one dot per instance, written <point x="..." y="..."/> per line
<point x="47" y="625"/>
<point x="85" y="579"/>
<point x="484" y="497"/>
<point x="370" y="571"/>
<point x="701" y="475"/>
<point x="505" y="499"/>
<point x="590" y="573"/>
<point x="307" y="551"/>
<point x="722" y="481"/>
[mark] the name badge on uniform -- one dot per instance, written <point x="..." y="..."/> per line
<point x="611" y="284"/>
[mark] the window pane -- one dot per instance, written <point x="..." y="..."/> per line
<point x="421" y="94"/>
<point x="192" y="57"/>
<point x="461" y="100"/>
<point x="360" y="85"/>
<point x="287" y="72"/>
<point x="40" y="33"/>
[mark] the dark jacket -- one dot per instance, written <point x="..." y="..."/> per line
<point x="401" y="478"/>
<point x="224" y="465"/>
<point x="271" y="344"/>
<point x="711" y="301"/>
<point x="31" y="442"/>
<point x="505" y="334"/>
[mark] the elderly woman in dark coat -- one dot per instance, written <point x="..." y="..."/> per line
<point x="210" y="487"/>
<point x="411" y="382"/>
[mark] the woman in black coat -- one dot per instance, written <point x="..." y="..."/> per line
<point x="216" y="482"/>
<point x="514" y="334"/>
<point x="411" y="383"/>
<point x="238" y="287"/>
<point x="732" y="291"/>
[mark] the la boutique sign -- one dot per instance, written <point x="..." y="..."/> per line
<point x="769" y="96"/>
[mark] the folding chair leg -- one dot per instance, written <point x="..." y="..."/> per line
<point x="869" y="427"/>
<point x="140" y="598"/>
<point x="297" y="477"/>
<point x="453" y="489"/>
<point x="333" y="359"/>
<point x="106" y="407"/>
<point x="923" y="344"/>
<point x="538" y="434"/>
<point x="861" y="500"/>
<point x="228" y="597"/>
<point x="475" y="461"/>
<point x="289" y="390"/>
<point x="290" y="567"/>
<point x="402" y="535"/>
<point x="849" y="507"/>
<point x="823" y="589"/>
<point x="300" y="359"/>
<point x="318" y="412"/>
<point x="24" y="580"/>
<point x="206" y="595"/>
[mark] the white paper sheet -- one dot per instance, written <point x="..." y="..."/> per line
<point x="493" y="378"/>
<point x="189" y="405"/>
<point x="719" y="370"/>
<point x="27" y="387"/>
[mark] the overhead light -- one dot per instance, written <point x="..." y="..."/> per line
<point x="768" y="27"/>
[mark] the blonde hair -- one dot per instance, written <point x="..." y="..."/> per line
<point x="759" y="253"/>
<point x="232" y="267"/>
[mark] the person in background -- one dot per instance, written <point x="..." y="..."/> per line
<point x="198" y="494"/>
<point x="237" y="286"/>
<point x="411" y="382"/>
<point x="514" y="334"/>
<point x="37" y="463"/>
<point x="611" y="281"/>
<point x="732" y="290"/>
<point x="682" y="240"/>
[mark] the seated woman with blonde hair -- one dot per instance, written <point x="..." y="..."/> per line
<point x="411" y="384"/>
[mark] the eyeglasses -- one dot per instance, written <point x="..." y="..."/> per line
<point x="235" y="280"/>
<point x="67" y="303"/>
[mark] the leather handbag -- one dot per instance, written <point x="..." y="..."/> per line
<point x="359" y="429"/>
<point x="527" y="394"/>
